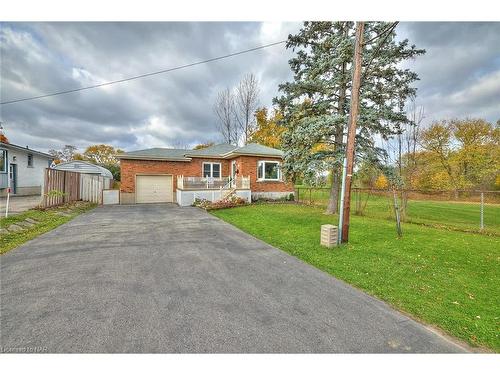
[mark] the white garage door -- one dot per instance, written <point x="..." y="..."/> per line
<point x="154" y="189"/>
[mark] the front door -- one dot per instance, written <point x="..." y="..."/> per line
<point x="13" y="178"/>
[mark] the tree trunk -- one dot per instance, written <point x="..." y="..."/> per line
<point x="396" y="212"/>
<point x="333" y="200"/>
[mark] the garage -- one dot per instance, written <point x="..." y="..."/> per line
<point x="154" y="188"/>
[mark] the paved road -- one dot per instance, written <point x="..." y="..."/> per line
<point x="159" y="278"/>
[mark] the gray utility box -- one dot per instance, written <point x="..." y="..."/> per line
<point x="329" y="235"/>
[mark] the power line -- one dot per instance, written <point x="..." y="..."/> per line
<point x="374" y="54"/>
<point x="382" y="33"/>
<point x="142" y="75"/>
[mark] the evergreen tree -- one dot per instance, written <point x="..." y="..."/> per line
<point x="315" y="105"/>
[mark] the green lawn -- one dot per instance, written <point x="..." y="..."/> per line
<point x="446" y="278"/>
<point x="47" y="220"/>
<point x="463" y="216"/>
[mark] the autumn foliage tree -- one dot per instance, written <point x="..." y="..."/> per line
<point x="459" y="154"/>
<point x="269" y="129"/>
<point x="101" y="154"/>
<point x="203" y="145"/>
<point x="3" y="138"/>
<point x="105" y="156"/>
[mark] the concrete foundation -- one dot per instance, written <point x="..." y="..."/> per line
<point x="187" y="197"/>
<point x="127" y="198"/>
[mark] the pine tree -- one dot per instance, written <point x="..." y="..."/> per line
<point x="315" y="105"/>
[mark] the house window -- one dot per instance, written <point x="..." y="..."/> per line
<point x="3" y="161"/>
<point x="211" y="170"/>
<point x="268" y="171"/>
<point x="30" y="160"/>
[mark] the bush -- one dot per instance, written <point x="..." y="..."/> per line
<point x="231" y="201"/>
<point x="286" y="198"/>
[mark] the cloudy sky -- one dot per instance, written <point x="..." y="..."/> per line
<point x="460" y="76"/>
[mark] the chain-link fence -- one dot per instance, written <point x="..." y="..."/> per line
<point x="475" y="211"/>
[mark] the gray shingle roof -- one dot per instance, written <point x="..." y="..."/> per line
<point x="162" y="153"/>
<point x="220" y="150"/>
<point x="256" y="148"/>
<point x="215" y="150"/>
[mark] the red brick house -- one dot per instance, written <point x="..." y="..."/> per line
<point x="172" y="175"/>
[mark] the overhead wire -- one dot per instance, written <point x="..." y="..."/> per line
<point x="62" y="92"/>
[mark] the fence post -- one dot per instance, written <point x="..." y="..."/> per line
<point x="310" y="196"/>
<point x="45" y="187"/>
<point x="64" y="186"/>
<point x="482" y="210"/>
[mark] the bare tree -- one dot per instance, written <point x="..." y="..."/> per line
<point x="67" y="153"/>
<point x="402" y="151"/>
<point x="178" y="144"/>
<point x="224" y="108"/>
<point x="412" y="137"/>
<point x="247" y="100"/>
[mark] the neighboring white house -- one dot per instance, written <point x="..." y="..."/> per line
<point x="81" y="166"/>
<point x="22" y="169"/>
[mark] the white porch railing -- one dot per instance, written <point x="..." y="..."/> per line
<point x="202" y="183"/>
<point x="242" y="182"/>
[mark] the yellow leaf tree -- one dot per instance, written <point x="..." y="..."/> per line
<point x="268" y="131"/>
<point x="460" y="154"/>
<point x="203" y="145"/>
<point x="381" y="182"/>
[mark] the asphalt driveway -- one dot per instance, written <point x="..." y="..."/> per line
<point x="159" y="278"/>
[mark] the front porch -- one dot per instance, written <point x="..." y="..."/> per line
<point x="211" y="188"/>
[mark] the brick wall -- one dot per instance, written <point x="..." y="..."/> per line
<point x="129" y="168"/>
<point x="247" y="166"/>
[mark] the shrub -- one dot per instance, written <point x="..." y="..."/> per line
<point x="55" y="193"/>
<point x="285" y="198"/>
<point x="231" y="201"/>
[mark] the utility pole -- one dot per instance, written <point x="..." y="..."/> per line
<point x="351" y="132"/>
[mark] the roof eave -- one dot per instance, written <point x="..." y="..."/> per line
<point x="234" y="154"/>
<point x="146" y="157"/>
<point x="205" y="156"/>
<point x="28" y="150"/>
